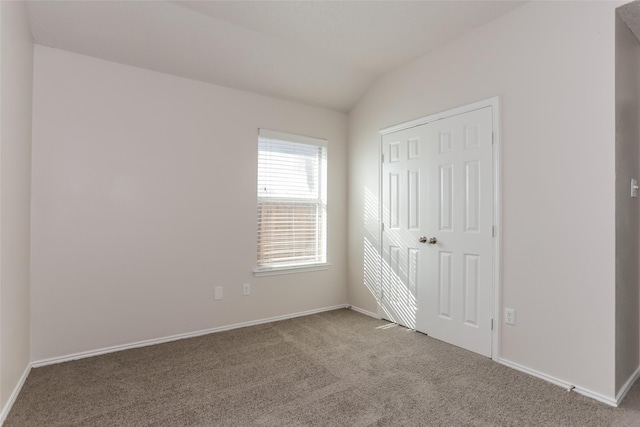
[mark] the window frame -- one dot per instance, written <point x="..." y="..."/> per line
<point x="266" y="270"/>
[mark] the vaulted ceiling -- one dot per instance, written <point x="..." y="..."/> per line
<point x="324" y="53"/>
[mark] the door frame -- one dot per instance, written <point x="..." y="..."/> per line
<point x="494" y="103"/>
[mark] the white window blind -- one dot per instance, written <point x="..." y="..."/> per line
<point x="292" y="200"/>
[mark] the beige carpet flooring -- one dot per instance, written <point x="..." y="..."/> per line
<point x="338" y="368"/>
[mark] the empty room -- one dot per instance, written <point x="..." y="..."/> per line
<point x="288" y="213"/>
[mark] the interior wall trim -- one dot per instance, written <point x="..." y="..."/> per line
<point x="365" y="312"/>
<point x="105" y="350"/>
<point x="627" y="386"/>
<point x="14" y="395"/>
<point x="562" y="383"/>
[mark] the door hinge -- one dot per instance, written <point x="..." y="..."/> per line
<point x="493" y="231"/>
<point x="383" y="226"/>
<point x="493" y="137"/>
<point x="492" y="324"/>
<point x="382" y="158"/>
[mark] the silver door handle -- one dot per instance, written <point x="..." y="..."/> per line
<point x="429" y="240"/>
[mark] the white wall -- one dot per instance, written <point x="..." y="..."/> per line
<point x="15" y="182"/>
<point x="144" y="199"/>
<point x="552" y="64"/>
<point x="627" y="161"/>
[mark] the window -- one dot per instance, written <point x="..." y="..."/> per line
<point x="292" y="201"/>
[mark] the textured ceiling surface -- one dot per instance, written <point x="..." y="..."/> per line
<point x="315" y="52"/>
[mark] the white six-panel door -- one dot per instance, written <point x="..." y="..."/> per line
<point x="437" y="186"/>
<point x="403" y="203"/>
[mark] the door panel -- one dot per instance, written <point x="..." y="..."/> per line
<point x="402" y="211"/>
<point x="456" y="303"/>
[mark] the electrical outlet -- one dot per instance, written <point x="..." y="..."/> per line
<point x="509" y="316"/>
<point x="246" y="289"/>
<point x="217" y="293"/>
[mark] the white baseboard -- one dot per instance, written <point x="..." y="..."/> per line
<point x="91" y="353"/>
<point x="564" y="384"/>
<point x="363" y="311"/>
<point x="14" y="395"/>
<point x="627" y="386"/>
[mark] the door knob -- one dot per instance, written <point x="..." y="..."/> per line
<point x="429" y="240"/>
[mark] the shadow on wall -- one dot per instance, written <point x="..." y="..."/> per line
<point x="389" y="277"/>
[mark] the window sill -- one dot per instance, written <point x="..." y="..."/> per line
<point x="258" y="272"/>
